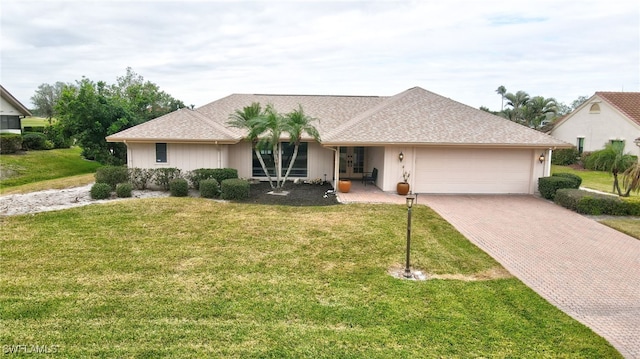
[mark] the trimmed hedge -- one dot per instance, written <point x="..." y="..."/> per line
<point x="565" y="157"/>
<point x="123" y="190"/>
<point x="140" y="177"/>
<point x="100" y="191"/>
<point x="209" y="188"/>
<point x="576" y="178"/>
<point x="10" y="143"/>
<point x="112" y="175"/>
<point x="163" y="177"/>
<point x="547" y="186"/>
<point x="179" y="187"/>
<point x="36" y="141"/>
<point x="219" y="174"/>
<point x="591" y="203"/>
<point x="234" y="188"/>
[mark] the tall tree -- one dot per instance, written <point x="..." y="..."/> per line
<point x="271" y="126"/>
<point x="90" y="111"/>
<point x="539" y="109"/>
<point x="296" y="124"/>
<point x="46" y="98"/>
<point x="501" y="90"/>
<point x="517" y="102"/>
<point x="245" y="119"/>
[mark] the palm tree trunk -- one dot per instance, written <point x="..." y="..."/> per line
<point x="616" y="185"/>
<point x="264" y="167"/>
<point x="276" y="160"/>
<point x="293" y="159"/>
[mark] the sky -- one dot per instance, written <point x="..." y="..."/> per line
<point x="201" y="51"/>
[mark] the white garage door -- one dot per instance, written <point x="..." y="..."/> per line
<point x="473" y="170"/>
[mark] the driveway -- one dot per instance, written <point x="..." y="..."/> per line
<point x="584" y="268"/>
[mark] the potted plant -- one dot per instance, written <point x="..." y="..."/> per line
<point x="344" y="185"/>
<point x="403" y="187"/>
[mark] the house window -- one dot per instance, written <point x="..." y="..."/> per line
<point x="595" y="108"/>
<point x="580" y="145"/>
<point x="161" y="153"/>
<point x="299" y="168"/>
<point x="9" y="122"/>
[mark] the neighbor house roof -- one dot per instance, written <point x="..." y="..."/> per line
<point x="415" y="116"/>
<point x="628" y="103"/>
<point x="7" y="96"/>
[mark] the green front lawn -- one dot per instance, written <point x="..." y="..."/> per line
<point x="188" y="277"/>
<point x="34" y="166"/>
<point x="598" y="180"/>
<point x="628" y="226"/>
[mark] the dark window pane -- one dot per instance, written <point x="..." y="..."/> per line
<point x="161" y="152"/>
<point x="299" y="168"/>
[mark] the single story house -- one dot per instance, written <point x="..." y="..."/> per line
<point x="446" y="146"/>
<point x="11" y="112"/>
<point x="604" y="118"/>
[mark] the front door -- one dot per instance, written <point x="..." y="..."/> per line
<point x="351" y="162"/>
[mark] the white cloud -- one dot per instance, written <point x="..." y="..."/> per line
<point x="203" y="50"/>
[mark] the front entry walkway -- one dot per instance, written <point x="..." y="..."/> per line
<point x="584" y="268"/>
<point x="360" y="193"/>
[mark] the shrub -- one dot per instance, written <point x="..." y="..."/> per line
<point x="35" y="141"/>
<point x="163" y="176"/>
<point x="549" y="185"/>
<point x="140" y="177"/>
<point x="100" y="191"/>
<point x="591" y="203"/>
<point x="209" y="188"/>
<point x="112" y="175"/>
<point x="179" y="187"/>
<point x="234" y="188"/>
<point x="123" y="190"/>
<point x="56" y="135"/>
<point x="219" y="174"/>
<point x="576" y="178"/>
<point x="565" y="156"/>
<point x="10" y="142"/>
<point x="632" y="205"/>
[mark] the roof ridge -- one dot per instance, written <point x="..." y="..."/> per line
<point x="212" y="123"/>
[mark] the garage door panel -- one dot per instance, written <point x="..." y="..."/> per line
<point x="472" y="171"/>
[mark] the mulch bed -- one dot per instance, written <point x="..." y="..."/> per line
<point x="299" y="195"/>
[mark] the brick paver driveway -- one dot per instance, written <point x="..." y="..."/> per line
<point x="586" y="269"/>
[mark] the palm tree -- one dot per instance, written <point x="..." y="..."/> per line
<point x="613" y="159"/>
<point x="270" y="123"/>
<point x="245" y="119"/>
<point x="537" y="109"/>
<point x="501" y="91"/>
<point x="517" y="102"/>
<point x="296" y="124"/>
<point x="631" y="179"/>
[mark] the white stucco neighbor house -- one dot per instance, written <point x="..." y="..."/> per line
<point x="604" y="118"/>
<point x="11" y="112"/>
<point x="448" y="147"/>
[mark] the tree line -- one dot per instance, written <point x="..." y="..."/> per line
<point x="532" y="111"/>
<point x="88" y="111"/>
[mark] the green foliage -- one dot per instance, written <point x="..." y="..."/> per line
<point x="591" y="203"/>
<point x="55" y="134"/>
<point x="101" y="191"/>
<point x="163" y="176"/>
<point x="234" y="188"/>
<point x="572" y="176"/>
<point x="209" y="188"/>
<point x="633" y="205"/>
<point x="219" y="174"/>
<point x="123" y="190"/>
<point x="90" y="111"/>
<point x="10" y="143"/>
<point x="547" y="186"/>
<point x="140" y="177"/>
<point x="36" y="141"/>
<point x="565" y="156"/>
<point x="179" y="187"/>
<point x="46" y="98"/>
<point x="112" y="175"/>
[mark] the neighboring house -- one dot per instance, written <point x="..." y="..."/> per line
<point x="447" y="147"/>
<point x="604" y="118"/>
<point x="11" y="112"/>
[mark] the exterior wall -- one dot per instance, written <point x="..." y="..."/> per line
<point x="374" y="158"/>
<point x="186" y="157"/>
<point x="392" y="172"/>
<point x="10" y="118"/>
<point x="240" y="157"/>
<point x="598" y="128"/>
<point x="7" y="109"/>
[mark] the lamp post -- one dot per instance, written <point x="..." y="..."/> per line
<point x="407" y="270"/>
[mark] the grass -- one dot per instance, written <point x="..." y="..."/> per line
<point x="627" y="226"/>
<point x="35" y="122"/>
<point x="598" y="180"/>
<point x="189" y="277"/>
<point x="35" y="166"/>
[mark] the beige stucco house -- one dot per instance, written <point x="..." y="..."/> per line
<point x="605" y="117"/>
<point x="447" y="147"/>
<point x="11" y="112"/>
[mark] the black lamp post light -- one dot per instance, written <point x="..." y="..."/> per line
<point x="406" y="272"/>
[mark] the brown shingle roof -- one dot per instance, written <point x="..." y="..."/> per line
<point x="626" y="102"/>
<point x="415" y="116"/>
